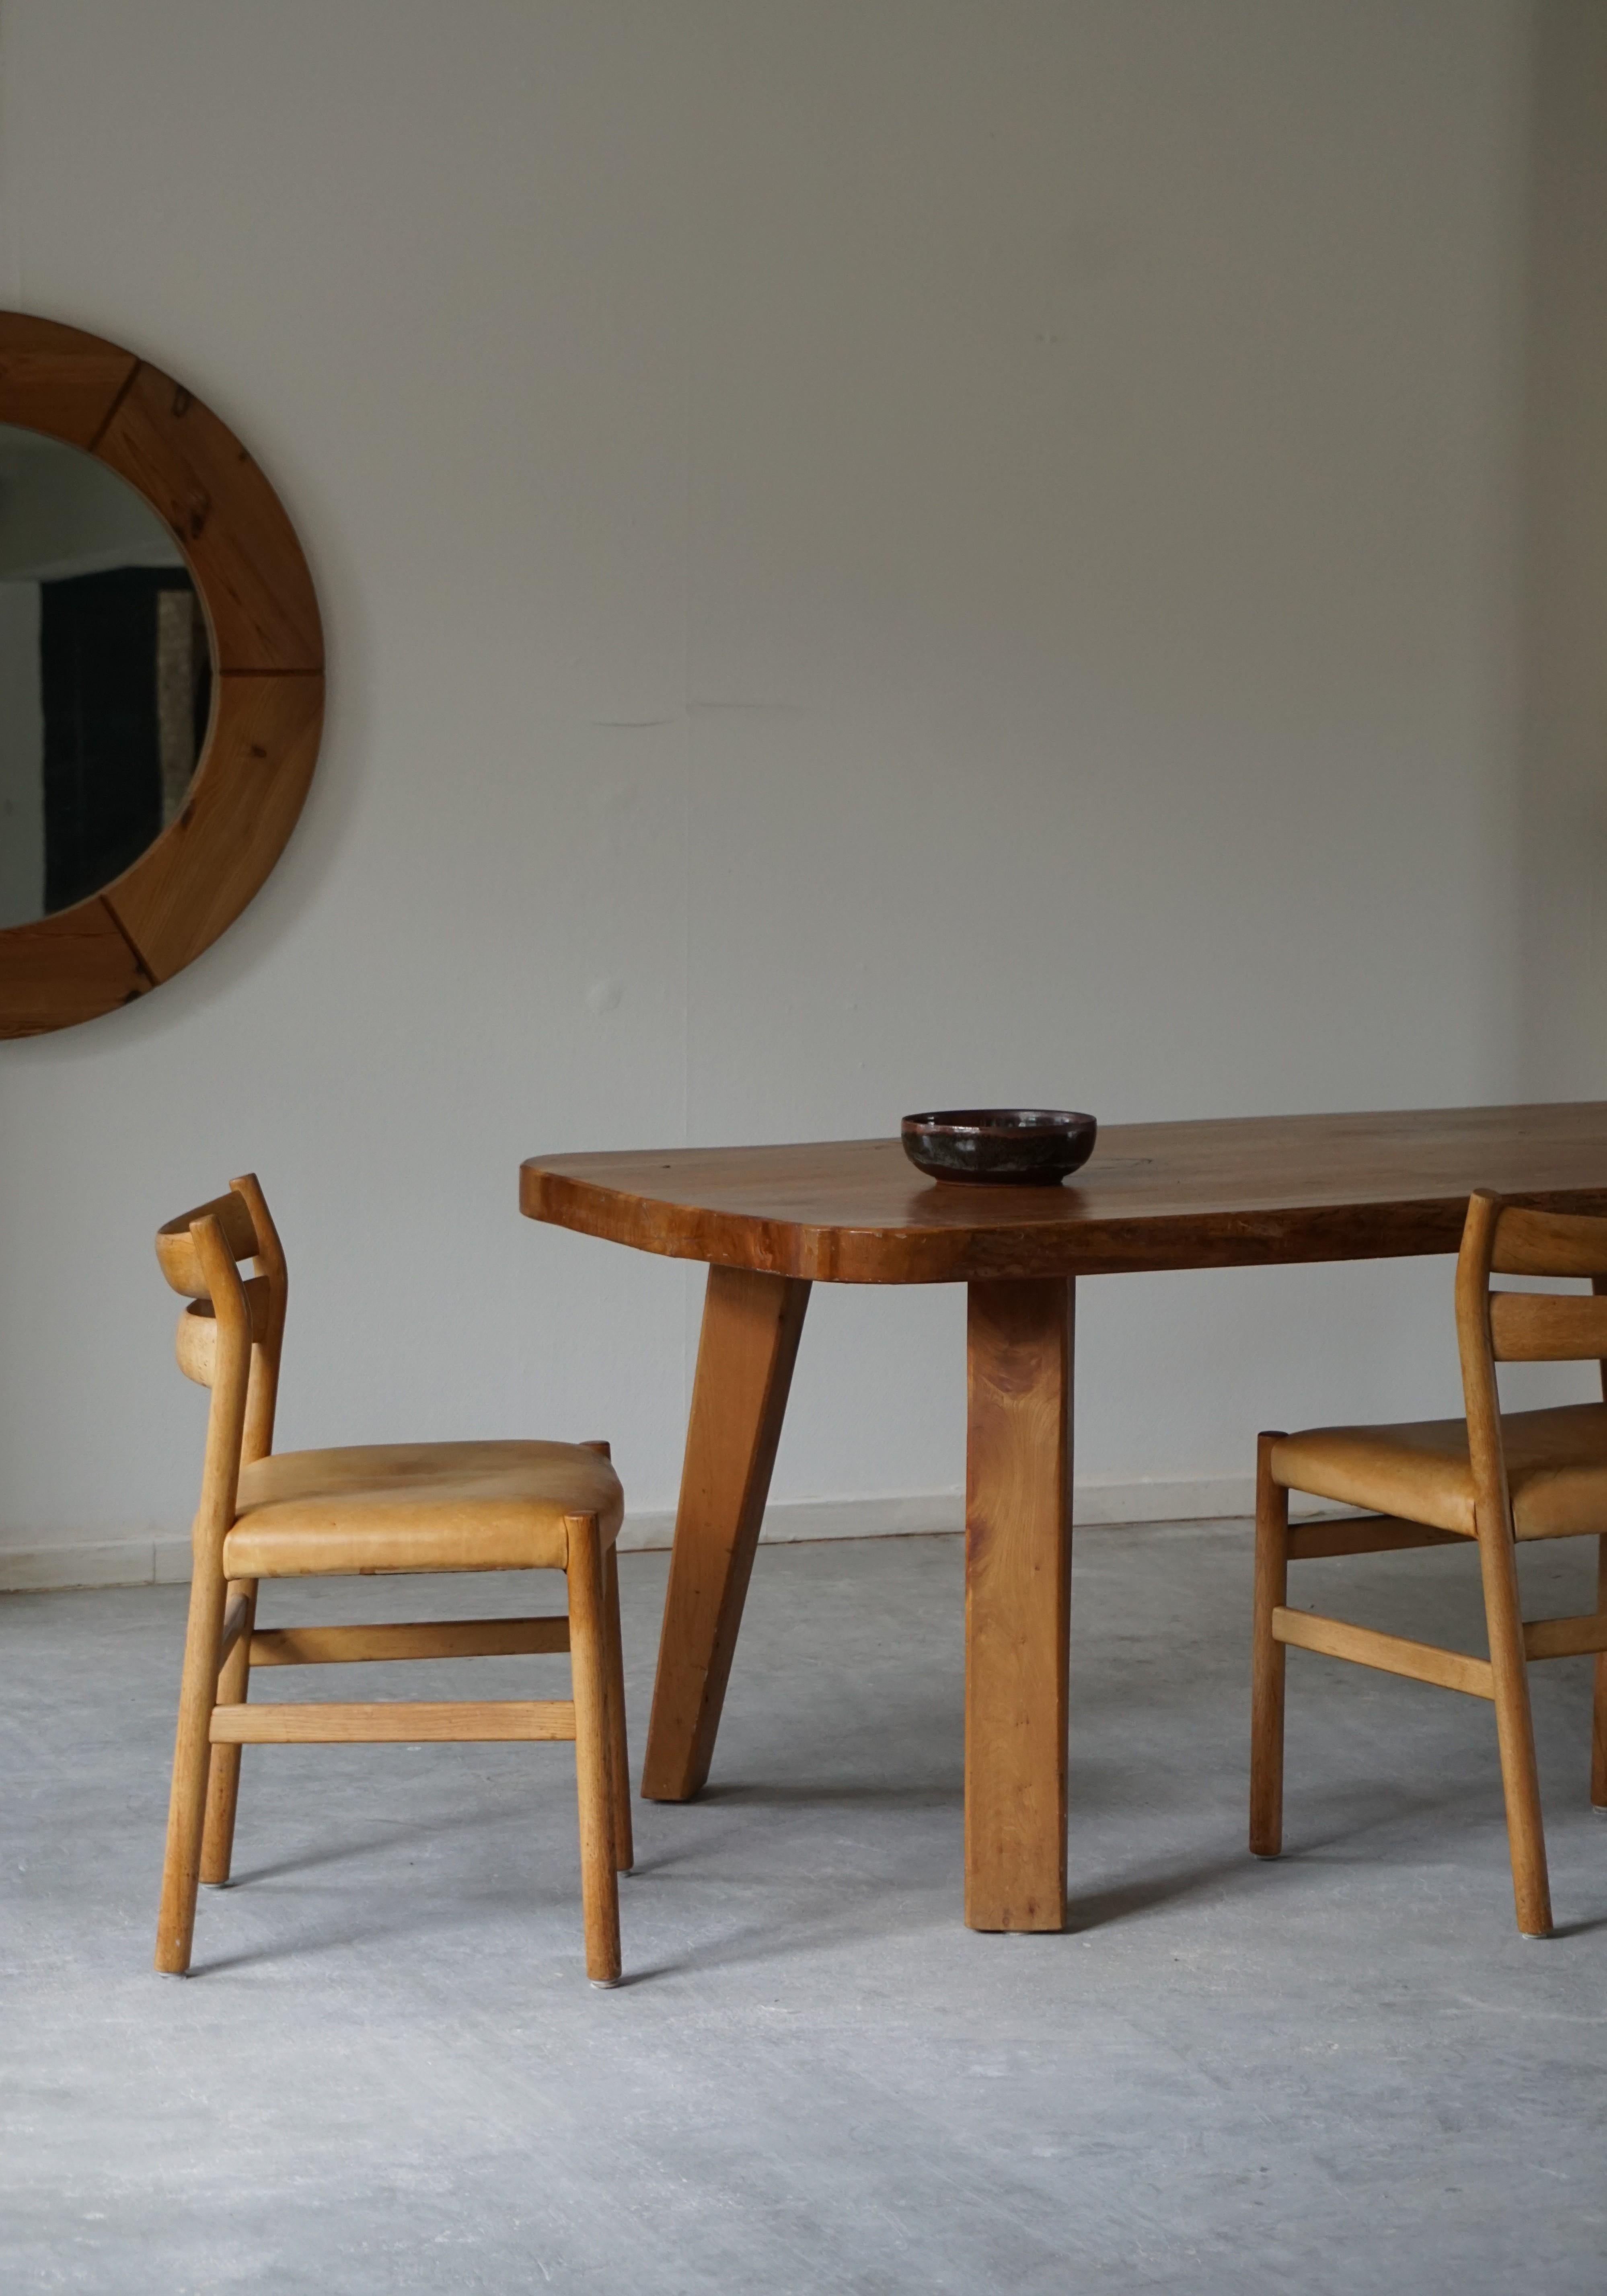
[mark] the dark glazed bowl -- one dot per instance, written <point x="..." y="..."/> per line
<point x="1004" y="1147"/>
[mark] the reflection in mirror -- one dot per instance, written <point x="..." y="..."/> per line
<point x="105" y="677"/>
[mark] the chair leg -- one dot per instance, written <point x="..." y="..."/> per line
<point x="1598" y="1720"/>
<point x="186" y="1807"/>
<point x="1515" y="1731"/>
<point x="589" y="1660"/>
<point x="1267" y="1657"/>
<point x="223" y="1781"/>
<point x="618" y="1753"/>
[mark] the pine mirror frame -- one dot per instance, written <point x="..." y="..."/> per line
<point x="262" y="619"/>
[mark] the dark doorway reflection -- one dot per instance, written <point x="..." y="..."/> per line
<point x="126" y="683"/>
<point x="105" y="677"/>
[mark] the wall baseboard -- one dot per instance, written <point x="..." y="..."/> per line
<point x="94" y="1563"/>
<point x="1095" y="1499"/>
<point x="163" y="1561"/>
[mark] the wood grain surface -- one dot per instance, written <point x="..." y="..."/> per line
<point x="386" y="1496"/>
<point x="1219" y="1192"/>
<point x="749" y="1344"/>
<point x="1017" y="1601"/>
<point x="57" y="379"/>
<point x="393" y="1722"/>
<point x="268" y="690"/>
<point x="1234" y="1191"/>
<point x="1501" y="1460"/>
<point x="230" y="524"/>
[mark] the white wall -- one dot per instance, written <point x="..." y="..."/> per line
<point x="1563" y="787"/>
<point x="875" y="552"/>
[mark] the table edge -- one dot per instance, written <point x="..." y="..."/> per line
<point x="1405" y="1228"/>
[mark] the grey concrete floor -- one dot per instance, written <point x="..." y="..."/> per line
<point x="1342" y="2073"/>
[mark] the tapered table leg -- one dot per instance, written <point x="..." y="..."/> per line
<point x="1017" y="1604"/>
<point x="751" y="1324"/>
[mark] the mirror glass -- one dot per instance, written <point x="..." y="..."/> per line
<point x="105" y="676"/>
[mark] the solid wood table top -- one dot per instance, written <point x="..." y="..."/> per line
<point x="1234" y="1191"/>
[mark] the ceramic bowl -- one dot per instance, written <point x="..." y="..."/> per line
<point x="1003" y="1147"/>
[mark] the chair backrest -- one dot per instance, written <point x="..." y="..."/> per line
<point x="1495" y="1326"/>
<point x="231" y="1334"/>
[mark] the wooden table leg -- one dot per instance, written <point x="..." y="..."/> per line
<point x="751" y="1324"/>
<point x="1017" y="1601"/>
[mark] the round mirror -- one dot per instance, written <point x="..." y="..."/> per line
<point x="105" y="677"/>
<point x="162" y="675"/>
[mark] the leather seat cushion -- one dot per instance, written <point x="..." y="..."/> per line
<point x="1556" y="1464"/>
<point x="417" y="1506"/>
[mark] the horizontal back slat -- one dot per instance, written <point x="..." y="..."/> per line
<point x="196" y="1344"/>
<point x="1549" y="1243"/>
<point x="1527" y="1327"/>
<point x="176" y="1253"/>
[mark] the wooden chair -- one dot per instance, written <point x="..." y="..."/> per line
<point x="1491" y="1478"/>
<point x="381" y="1508"/>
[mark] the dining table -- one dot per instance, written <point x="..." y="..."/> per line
<point x="771" y="1221"/>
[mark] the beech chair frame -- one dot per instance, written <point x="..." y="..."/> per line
<point x="1492" y="1326"/>
<point x="230" y="1337"/>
